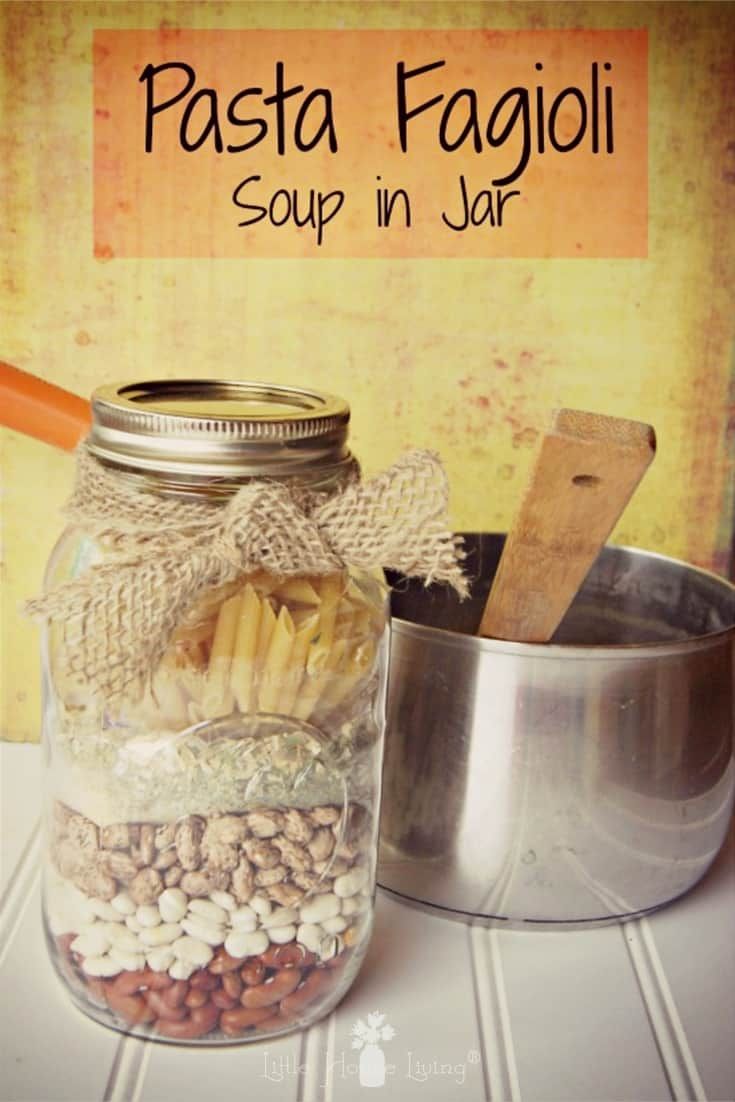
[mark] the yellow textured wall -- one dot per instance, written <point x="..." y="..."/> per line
<point x="467" y="357"/>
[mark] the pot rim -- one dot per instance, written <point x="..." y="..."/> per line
<point x="586" y="651"/>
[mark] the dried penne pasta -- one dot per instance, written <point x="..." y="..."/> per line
<point x="343" y="624"/>
<point x="356" y="595"/>
<point x="276" y="662"/>
<point x="331" y="588"/>
<point x="263" y="582"/>
<point x="356" y="669"/>
<point x="265" y="630"/>
<point x="304" y="636"/>
<point x="361" y="601"/>
<point x="303" y="616"/>
<point x="299" y="590"/>
<point x="193" y="684"/>
<point x="293" y="646"/>
<point x="315" y="684"/>
<point x="208" y="604"/>
<point x="217" y="696"/>
<point x="242" y="670"/>
<point x="361" y="623"/>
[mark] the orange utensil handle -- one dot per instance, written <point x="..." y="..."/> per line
<point x="37" y="408"/>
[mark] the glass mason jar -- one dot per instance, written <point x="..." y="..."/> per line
<point x="212" y="833"/>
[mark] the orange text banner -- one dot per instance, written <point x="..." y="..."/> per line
<point x="261" y="143"/>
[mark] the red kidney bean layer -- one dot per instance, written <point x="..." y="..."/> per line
<point x="237" y="998"/>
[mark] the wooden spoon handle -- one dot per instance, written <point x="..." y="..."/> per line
<point x="37" y="408"/>
<point x="585" y="473"/>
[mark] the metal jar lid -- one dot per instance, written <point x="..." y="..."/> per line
<point x="189" y="430"/>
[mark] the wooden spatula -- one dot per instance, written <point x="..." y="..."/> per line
<point x="585" y="473"/>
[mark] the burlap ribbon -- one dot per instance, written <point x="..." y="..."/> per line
<point x="117" y="618"/>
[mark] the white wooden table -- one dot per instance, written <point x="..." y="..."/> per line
<point x="637" y="1012"/>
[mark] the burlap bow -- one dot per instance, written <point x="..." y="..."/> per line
<point x="117" y="618"/>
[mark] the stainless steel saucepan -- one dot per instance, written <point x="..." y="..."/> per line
<point x="580" y="781"/>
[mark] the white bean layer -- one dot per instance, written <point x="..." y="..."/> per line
<point x="350" y="882"/>
<point x="124" y="904"/>
<point x="202" y="929"/>
<point x="148" y="916"/>
<point x="161" y="935"/>
<point x="205" y="908"/>
<point x="193" y="951"/>
<point x="239" y="944"/>
<point x="280" y="935"/>
<point x="324" y="906"/>
<point x="172" y="904"/>
<point x="100" y="966"/>
<point x="161" y="959"/>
